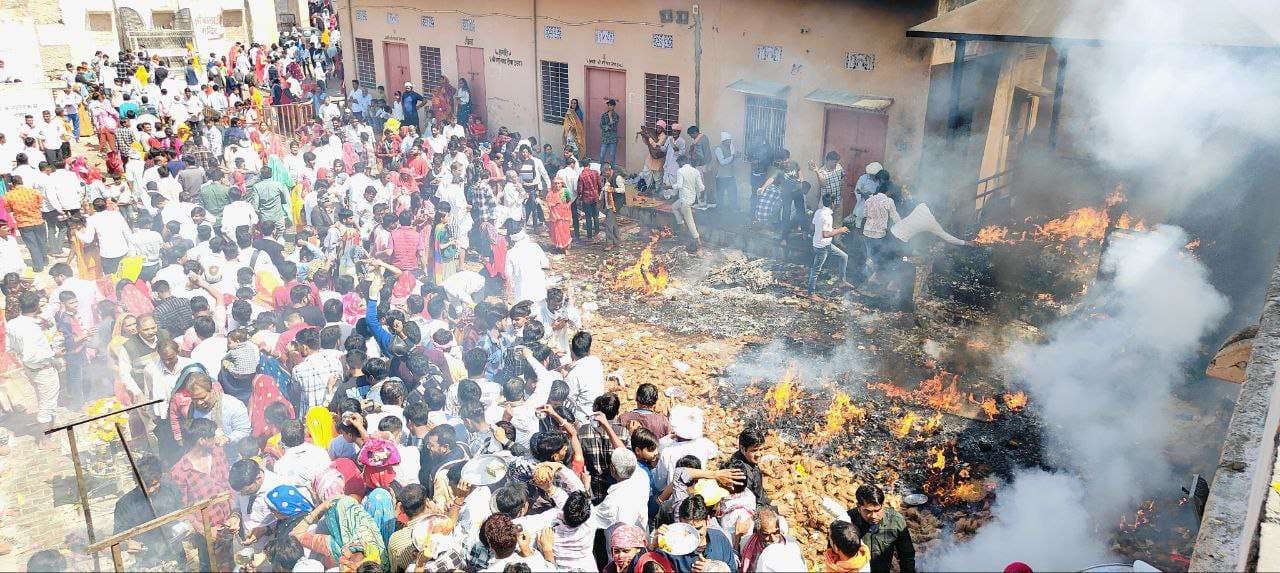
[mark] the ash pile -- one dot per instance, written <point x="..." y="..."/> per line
<point x="741" y="272"/>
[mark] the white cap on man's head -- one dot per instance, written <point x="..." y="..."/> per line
<point x="408" y="85"/>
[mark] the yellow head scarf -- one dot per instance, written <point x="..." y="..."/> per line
<point x="320" y="425"/>
<point x="142" y="75"/>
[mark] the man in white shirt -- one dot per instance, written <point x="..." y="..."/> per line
<point x="10" y="253"/>
<point x="824" y="233"/>
<point x="689" y="187"/>
<point x="52" y="133"/>
<point x="237" y="213"/>
<point x="212" y="346"/>
<point x="526" y="267"/>
<point x="585" y="378"/>
<point x="302" y="461"/>
<point x="111" y="231"/>
<point x="27" y="342"/>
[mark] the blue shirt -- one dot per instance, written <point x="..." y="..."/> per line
<point x="129" y="106"/>
<point x="409" y="101"/>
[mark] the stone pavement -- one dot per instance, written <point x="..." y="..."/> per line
<point x="32" y="468"/>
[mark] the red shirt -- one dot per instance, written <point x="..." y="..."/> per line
<point x="405" y="243"/>
<point x="589" y="186"/>
<point x="280" y="297"/>
<point x="198" y="486"/>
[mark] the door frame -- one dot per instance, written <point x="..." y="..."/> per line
<point x="851" y="175"/>
<point x="386" y="60"/>
<point x="621" y="162"/>
<point x="477" y="104"/>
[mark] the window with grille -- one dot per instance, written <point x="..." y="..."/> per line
<point x="427" y="21"/>
<point x="163" y="19"/>
<point x="552" y="32"/>
<point x="604" y="37"/>
<point x="393" y="18"/>
<point x="468" y="24"/>
<point x="663" y="41"/>
<point x="859" y="61"/>
<point x="365" y="71"/>
<point x="555" y="91"/>
<point x="429" y="58"/>
<point x="98" y="21"/>
<point x="362" y="15"/>
<point x="232" y="18"/>
<point x="661" y="98"/>
<point x="766" y="122"/>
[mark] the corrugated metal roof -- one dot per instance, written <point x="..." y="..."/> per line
<point x="849" y="99"/>
<point x="760" y="88"/>
<point x="1097" y="22"/>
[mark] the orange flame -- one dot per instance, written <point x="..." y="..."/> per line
<point x="778" y="400"/>
<point x="841" y="413"/>
<point x="939" y="392"/>
<point x="1086" y="223"/>
<point x="904" y="425"/>
<point x="989" y="407"/>
<point x="1142" y="516"/>
<point x="993" y="234"/>
<point x="646" y="276"/>
<point x="1016" y="401"/>
<point x="932" y="424"/>
<point x="1193" y="245"/>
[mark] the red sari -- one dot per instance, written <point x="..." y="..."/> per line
<point x="560" y="216"/>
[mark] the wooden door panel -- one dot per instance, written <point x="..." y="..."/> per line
<point x="471" y="68"/>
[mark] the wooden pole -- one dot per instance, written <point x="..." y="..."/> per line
<point x="84" y="499"/>
<point x="116" y="558"/>
<point x="137" y="477"/>
<point x="208" y="539"/>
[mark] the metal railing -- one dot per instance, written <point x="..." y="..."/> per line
<point x="155" y="39"/>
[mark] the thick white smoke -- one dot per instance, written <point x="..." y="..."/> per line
<point x="1158" y="103"/>
<point x="1102" y="384"/>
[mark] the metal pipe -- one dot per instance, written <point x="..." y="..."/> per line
<point x="697" y="64"/>
<point x="537" y="73"/>
<point x="1059" y="83"/>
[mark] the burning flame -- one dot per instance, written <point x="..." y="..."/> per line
<point x="1015" y="402"/>
<point x="904" y="425"/>
<point x="1141" y="517"/>
<point x="939" y="456"/>
<point x="841" y="413"/>
<point x="993" y="234"/>
<point x="646" y="276"/>
<point x="939" y="392"/>
<point x="988" y="405"/>
<point x="933" y="423"/>
<point x="968" y="491"/>
<point x="778" y="399"/>
<point x="1085" y="223"/>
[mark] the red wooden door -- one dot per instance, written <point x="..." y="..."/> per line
<point x="603" y="84"/>
<point x="471" y="68"/>
<point x="396" y="57"/>
<point x="858" y="136"/>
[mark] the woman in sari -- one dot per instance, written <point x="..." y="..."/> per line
<point x="381" y="506"/>
<point x="560" y="216"/>
<point x="444" y="245"/>
<point x="320" y="426"/>
<point x="342" y="477"/>
<point x="442" y="101"/>
<point x="265" y="393"/>
<point x="574" y="131"/>
<point x="88" y="265"/>
<point x="348" y="526"/>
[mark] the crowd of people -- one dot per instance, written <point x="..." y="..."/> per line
<point x="355" y="332"/>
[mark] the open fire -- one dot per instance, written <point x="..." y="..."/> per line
<point x="647" y="276"/>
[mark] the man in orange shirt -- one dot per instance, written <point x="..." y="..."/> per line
<point x="25" y="203"/>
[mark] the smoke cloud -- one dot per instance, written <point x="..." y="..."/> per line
<point x="1158" y="104"/>
<point x="1102" y="384"/>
